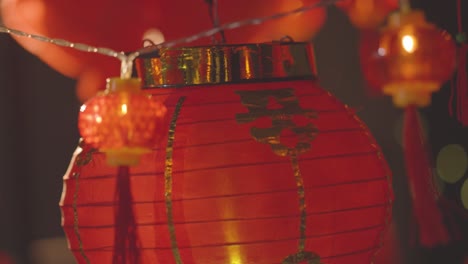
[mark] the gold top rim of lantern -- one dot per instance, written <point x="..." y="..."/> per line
<point x="227" y="64"/>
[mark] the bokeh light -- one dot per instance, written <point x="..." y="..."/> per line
<point x="464" y="194"/>
<point x="452" y="163"/>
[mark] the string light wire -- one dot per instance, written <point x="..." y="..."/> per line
<point x="65" y="43"/>
<point x="235" y="25"/>
<point x="128" y="58"/>
<point x="214" y="16"/>
<point x="150" y="49"/>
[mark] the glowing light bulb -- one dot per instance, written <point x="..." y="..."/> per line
<point x="98" y="119"/>
<point x="124" y="109"/>
<point x="409" y="43"/>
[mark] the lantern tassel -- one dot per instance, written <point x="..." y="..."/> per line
<point x="461" y="87"/>
<point x="460" y="84"/>
<point x="126" y="249"/>
<point x="428" y="217"/>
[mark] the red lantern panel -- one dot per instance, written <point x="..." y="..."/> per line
<point x="267" y="172"/>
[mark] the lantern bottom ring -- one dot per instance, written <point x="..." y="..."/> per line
<point x="411" y="93"/>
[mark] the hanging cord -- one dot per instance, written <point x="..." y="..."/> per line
<point x="459" y="85"/>
<point x="214" y="16"/>
<point x="126" y="241"/>
<point x="155" y="48"/>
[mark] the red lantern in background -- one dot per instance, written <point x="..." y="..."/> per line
<point x="367" y="14"/>
<point x="259" y="165"/>
<point x="410" y="59"/>
<point x="122" y="27"/>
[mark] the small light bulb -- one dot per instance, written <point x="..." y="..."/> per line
<point x="124" y="109"/>
<point x="83" y="108"/>
<point x="409" y="43"/>
<point x="98" y="119"/>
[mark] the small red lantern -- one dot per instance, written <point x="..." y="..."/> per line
<point x="258" y="165"/>
<point x="410" y="60"/>
<point x="123" y="121"/>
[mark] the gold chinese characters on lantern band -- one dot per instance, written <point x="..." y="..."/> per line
<point x="208" y="65"/>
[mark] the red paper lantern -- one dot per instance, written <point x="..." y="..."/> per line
<point x="121" y="26"/>
<point x="122" y="121"/>
<point x="259" y="165"/>
<point x="410" y="59"/>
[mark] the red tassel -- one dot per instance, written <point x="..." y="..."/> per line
<point x="460" y="87"/>
<point x="428" y="217"/>
<point x="126" y="250"/>
<point x="460" y="84"/>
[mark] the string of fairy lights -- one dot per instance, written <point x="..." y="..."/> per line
<point x="127" y="58"/>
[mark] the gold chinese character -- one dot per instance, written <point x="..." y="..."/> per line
<point x="257" y="103"/>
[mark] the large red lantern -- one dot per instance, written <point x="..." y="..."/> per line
<point x="106" y="22"/>
<point x="258" y="165"/>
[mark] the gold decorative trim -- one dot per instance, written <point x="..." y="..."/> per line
<point x="82" y="159"/>
<point x="302" y="202"/>
<point x="168" y="181"/>
<point x="301" y="256"/>
<point x="76" y="227"/>
<point x="222" y="64"/>
<point x="282" y="118"/>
